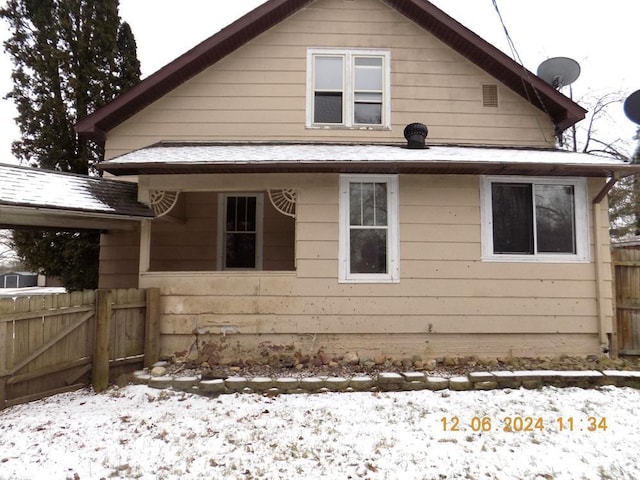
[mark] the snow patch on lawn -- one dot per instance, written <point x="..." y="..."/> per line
<point x="138" y="432"/>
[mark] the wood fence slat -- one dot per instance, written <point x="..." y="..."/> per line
<point x="135" y="326"/>
<point x="7" y="306"/>
<point x="64" y="333"/>
<point x="20" y="347"/>
<point x="6" y="348"/>
<point x="126" y="306"/>
<point x="50" y="370"/>
<point x="50" y="311"/>
<point x="38" y="396"/>
<point x="36" y="333"/>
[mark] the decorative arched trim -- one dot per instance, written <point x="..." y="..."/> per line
<point x="162" y="201"/>
<point x="284" y="200"/>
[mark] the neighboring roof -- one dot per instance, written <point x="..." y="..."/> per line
<point x="169" y="158"/>
<point x="561" y="109"/>
<point x="36" y="197"/>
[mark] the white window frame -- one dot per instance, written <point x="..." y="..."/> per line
<point x="581" y="220"/>
<point x="348" y="98"/>
<point x="222" y="228"/>
<point x="393" y="222"/>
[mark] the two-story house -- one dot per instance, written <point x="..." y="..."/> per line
<point x="292" y="214"/>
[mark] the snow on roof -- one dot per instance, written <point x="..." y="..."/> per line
<point x="29" y="187"/>
<point x="370" y="153"/>
<point x="162" y="158"/>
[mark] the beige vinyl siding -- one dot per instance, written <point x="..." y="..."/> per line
<point x="258" y="92"/>
<point x="278" y="239"/>
<point x="448" y="301"/>
<point x="186" y="240"/>
<point x="119" y="259"/>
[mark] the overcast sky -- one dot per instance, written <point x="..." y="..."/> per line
<point x="601" y="36"/>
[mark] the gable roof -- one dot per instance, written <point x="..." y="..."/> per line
<point x="36" y="197"/>
<point x="562" y="110"/>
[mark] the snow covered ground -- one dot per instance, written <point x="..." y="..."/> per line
<point x="138" y="432"/>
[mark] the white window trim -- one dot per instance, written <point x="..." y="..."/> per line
<point x="581" y="202"/>
<point x="221" y="229"/>
<point x="348" y="97"/>
<point x="393" y="239"/>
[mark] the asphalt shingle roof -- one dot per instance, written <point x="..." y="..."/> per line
<point x="29" y="187"/>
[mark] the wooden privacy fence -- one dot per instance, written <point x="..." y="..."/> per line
<point x="56" y="343"/>
<point x="626" y="274"/>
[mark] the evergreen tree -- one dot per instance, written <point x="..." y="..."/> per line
<point x="70" y="58"/>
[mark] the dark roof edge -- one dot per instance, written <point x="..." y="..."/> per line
<point x="439" y="167"/>
<point x="171" y="75"/>
<point x="477" y="44"/>
<point x="108" y="214"/>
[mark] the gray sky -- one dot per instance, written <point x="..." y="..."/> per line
<point x="602" y="36"/>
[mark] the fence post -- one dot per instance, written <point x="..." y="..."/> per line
<point x="4" y="348"/>
<point x="152" y="328"/>
<point x="3" y="392"/>
<point x="100" y="374"/>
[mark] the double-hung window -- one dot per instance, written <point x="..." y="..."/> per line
<point x="534" y="219"/>
<point x="240" y="231"/>
<point x="348" y="88"/>
<point x="369" y="244"/>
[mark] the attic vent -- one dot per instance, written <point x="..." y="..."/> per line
<point x="489" y="95"/>
<point x="416" y="134"/>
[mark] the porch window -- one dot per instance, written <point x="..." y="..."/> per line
<point x="541" y="219"/>
<point x="368" y="250"/>
<point x="348" y="88"/>
<point x="240" y="231"/>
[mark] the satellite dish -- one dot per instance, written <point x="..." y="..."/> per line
<point x="632" y="107"/>
<point x="559" y="71"/>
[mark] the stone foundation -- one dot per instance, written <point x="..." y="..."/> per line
<point x="387" y="381"/>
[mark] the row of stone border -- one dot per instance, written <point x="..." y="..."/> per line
<point x="388" y="382"/>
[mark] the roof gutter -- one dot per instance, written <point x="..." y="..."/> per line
<point x="397" y="167"/>
<point x="12" y="216"/>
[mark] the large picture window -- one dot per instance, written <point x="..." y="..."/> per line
<point x="369" y="229"/>
<point x="541" y="219"/>
<point x="348" y="88"/>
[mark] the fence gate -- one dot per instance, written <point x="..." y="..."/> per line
<point x="626" y="270"/>
<point x="46" y="344"/>
<point x="49" y="343"/>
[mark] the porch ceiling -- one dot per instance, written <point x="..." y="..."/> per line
<point x="172" y="158"/>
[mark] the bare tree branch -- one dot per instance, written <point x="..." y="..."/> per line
<point x="8" y="256"/>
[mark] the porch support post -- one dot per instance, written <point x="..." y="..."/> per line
<point x="4" y="347"/>
<point x="145" y="246"/>
<point x="100" y="374"/>
<point x="152" y="328"/>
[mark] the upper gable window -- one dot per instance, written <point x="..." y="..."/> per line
<point x="348" y="88"/>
